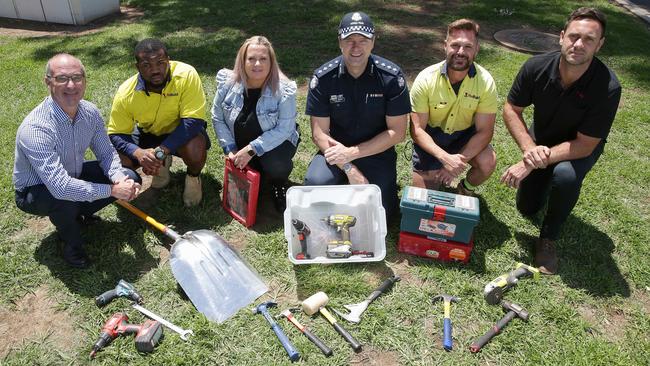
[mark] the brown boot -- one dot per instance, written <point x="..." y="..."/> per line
<point x="546" y="256"/>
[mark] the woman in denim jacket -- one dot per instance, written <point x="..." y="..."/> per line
<point x="254" y="115"/>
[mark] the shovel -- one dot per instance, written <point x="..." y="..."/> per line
<point x="213" y="275"/>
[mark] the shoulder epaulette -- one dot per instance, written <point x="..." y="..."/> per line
<point x="385" y="65"/>
<point x="330" y="65"/>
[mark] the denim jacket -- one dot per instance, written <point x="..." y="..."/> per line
<point x="275" y="113"/>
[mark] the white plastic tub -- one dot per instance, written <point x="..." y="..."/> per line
<point x="314" y="203"/>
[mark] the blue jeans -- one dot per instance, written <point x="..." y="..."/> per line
<point x="63" y="214"/>
<point x="560" y="184"/>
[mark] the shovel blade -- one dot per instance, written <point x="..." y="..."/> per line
<point x="213" y="275"/>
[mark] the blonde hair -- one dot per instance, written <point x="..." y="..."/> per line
<point x="239" y="70"/>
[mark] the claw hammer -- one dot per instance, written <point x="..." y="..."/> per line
<point x="447" y="341"/>
<point x="262" y="308"/>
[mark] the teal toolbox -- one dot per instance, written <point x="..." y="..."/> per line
<point x="438" y="215"/>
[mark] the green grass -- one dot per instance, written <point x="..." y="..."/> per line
<point x="595" y="311"/>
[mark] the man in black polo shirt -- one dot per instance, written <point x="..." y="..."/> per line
<point x="575" y="97"/>
<point x="358" y="103"/>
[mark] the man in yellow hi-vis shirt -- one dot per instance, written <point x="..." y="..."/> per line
<point x="454" y="106"/>
<point x="160" y="112"/>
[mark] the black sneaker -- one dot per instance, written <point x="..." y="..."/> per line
<point x="279" y="193"/>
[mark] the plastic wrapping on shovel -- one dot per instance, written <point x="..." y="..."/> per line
<point x="213" y="275"/>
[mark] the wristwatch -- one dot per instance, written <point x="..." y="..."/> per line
<point x="347" y="167"/>
<point x="251" y="152"/>
<point x="159" y="153"/>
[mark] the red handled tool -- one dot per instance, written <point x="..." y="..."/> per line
<point x="147" y="335"/>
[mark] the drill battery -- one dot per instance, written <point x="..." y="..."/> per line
<point x="439" y="215"/>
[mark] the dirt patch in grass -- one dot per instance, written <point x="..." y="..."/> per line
<point x="36" y="318"/>
<point x="239" y="240"/>
<point x="642" y="298"/>
<point x="609" y="323"/>
<point x="34" y="225"/>
<point x="28" y="28"/>
<point x="401" y="267"/>
<point x="375" y="357"/>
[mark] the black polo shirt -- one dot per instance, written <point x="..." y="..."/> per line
<point x="357" y="108"/>
<point x="588" y="106"/>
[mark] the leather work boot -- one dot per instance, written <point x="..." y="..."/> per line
<point x="460" y="189"/>
<point x="75" y="256"/>
<point x="161" y="180"/>
<point x="546" y="256"/>
<point x="193" y="191"/>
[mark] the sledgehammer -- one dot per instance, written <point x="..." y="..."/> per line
<point x="316" y="303"/>
<point x="513" y="310"/>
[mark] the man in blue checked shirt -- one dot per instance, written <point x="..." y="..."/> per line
<point x="50" y="175"/>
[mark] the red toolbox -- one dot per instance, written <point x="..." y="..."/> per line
<point x="423" y="246"/>
<point x="240" y="191"/>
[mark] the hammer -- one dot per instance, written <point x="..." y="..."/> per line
<point x="447" y="341"/>
<point x="316" y="303"/>
<point x="304" y="330"/>
<point x="286" y="343"/>
<point x="512" y="311"/>
<point x="357" y="309"/>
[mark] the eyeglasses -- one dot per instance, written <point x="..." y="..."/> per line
<point x="63" y="79"/>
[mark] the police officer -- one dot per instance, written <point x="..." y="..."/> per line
<point x="358" y="104"/>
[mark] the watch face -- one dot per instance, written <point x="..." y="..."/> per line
<point x="160" y="155"/>
<point x="347" y="167"/>
<point x="251" y="152"/>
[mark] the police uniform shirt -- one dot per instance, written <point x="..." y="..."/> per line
<point x="357" y="108"/>
<point x="588" y="106"/>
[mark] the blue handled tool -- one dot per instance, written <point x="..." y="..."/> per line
<point x="447" y="341"/>
<point x="286" y="343"/>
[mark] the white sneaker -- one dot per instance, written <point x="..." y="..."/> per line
<point x="161" y="180"/>
<point x="193" y="191"/>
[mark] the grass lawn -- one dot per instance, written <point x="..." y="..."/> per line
<point x="595" y="311"/>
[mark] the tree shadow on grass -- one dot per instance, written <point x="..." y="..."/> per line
<point x="585" y="259"/>
<point x="105" y="245"/>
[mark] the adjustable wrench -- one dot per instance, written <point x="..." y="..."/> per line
<point x="185" y="333"/>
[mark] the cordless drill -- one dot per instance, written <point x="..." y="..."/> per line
<point x="341" y="248"/>
<point x="147" y="335"/>
<point x="123" y="289"/>
<point x="303" y="231"/>
<point x="493" y="292"/>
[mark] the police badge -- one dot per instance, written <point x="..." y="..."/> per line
<point x="314" y="82"/>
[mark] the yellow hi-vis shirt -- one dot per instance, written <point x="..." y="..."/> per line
<point x="158" y="114"/>
<point x="432" y="93"/>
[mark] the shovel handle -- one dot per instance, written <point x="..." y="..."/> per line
<point x="134" y="210"/>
